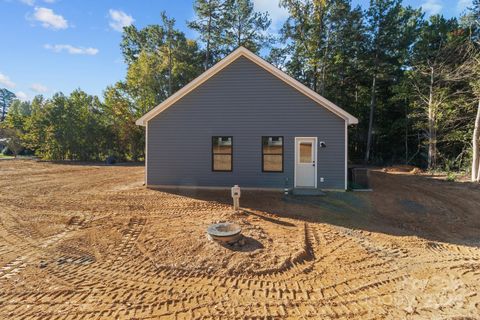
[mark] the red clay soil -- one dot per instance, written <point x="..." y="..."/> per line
<point x="90" y="242"/>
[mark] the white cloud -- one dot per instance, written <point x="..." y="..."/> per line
<point x="277" y="14"/>
<point x="22" y="96"/>
<point x="119" y="19"/>
<point x="39" y="88"/>
<point x="50" y="19"/>
<point x="462" y="5"/>
<point x="28" y="2"/>
<point x="5" y="81"/>
<point x="71" y="49"/>
<point x="432" y="7"/>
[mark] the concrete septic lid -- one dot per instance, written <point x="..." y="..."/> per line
<point x="225" y="229"/>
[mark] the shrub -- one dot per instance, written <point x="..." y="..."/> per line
<point x="451" y="176"/>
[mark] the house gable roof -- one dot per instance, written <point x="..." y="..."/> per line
<point x="243" y="52"/>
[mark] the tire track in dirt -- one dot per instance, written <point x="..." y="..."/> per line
<point x="329" y="272"/>
<point x="33" y="254"/>
<point x="130" y="236"/>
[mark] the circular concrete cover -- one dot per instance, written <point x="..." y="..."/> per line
<point x="226" y="229"/>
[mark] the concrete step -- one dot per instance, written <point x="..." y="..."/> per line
<point x="307" y="192"/>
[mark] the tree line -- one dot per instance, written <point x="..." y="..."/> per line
<point x="412" y="81"/>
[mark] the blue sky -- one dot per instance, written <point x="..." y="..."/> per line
<point x="60" y="45"/>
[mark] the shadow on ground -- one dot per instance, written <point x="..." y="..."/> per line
<point x="250" y="245"/>
<point x="95" y="163"/>
<point x="400" y="205"/>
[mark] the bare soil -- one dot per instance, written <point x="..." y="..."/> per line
<point x="80" y="241"/>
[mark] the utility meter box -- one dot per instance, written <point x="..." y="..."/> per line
<point x="236" y="191"/>
<point x="236" y="197"/>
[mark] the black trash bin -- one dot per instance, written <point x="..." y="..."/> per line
<point x="110" y="160"/>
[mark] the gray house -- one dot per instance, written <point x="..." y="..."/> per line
<point x="245" y="122"/>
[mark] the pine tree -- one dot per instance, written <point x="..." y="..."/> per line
<point x="134" y="41"/>
<point x="473" y="67"/>
<point x="306" y="34"/>
<point x="6" y="97"/>
<point x="391" y="30"/>
<point x="343" y="54"/>
<point x="209" y="22"/>
<point x="243" y="26"/>
<point x="475" y="12"/>
<point x="170" y="41"/>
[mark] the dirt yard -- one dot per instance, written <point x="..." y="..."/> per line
<point x="90" y="242"/>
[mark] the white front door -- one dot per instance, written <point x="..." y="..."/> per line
<point x="306" y="162"/>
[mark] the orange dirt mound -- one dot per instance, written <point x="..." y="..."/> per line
<point x="416" y="171"/>
<point x="402" y="169"/>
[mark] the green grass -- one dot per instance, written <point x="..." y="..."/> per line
<point x="2" y="156"/>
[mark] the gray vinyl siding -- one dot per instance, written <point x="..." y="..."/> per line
<point x="246" y="102"/>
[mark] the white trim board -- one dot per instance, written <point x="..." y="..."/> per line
<point x="243" y="52"/>
<point x="146" y="155"/>
<point x="346" y="156"/>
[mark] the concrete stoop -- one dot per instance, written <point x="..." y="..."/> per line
<point x="307" y="192"/>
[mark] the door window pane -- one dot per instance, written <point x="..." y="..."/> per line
<point x="306" y="152"/>
<point x="222" y="153"/>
